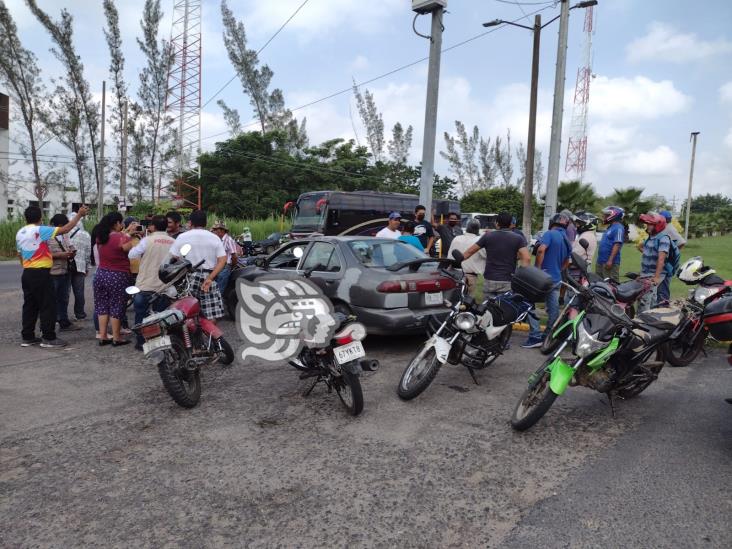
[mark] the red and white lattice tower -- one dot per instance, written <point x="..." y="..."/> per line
<point x="183" y="101"/>
<point x="577" y="144"/>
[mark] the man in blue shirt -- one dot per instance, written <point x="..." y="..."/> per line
<point x="552" y="257"/>
<point x="608" y="254"/>
<point x="656" y="250"/>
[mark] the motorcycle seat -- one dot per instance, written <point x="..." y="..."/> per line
<point x="662" y="318"/>
<point x="627" y="292"/>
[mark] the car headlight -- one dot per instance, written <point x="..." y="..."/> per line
<point x="465" y="321"/>
<point x="587" y="343"/>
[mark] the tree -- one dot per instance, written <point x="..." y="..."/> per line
<point x="502" y="158"/>
<point x="576" y="196"/>
<point x="153" y="88"/>
<point x="401" y="142"/>
<point x="538" y="169"/>
<point x="372" y="121"/>
<point x="231" y="117"/>
<point x="62" y="35"/>
<point x="21" y="76"/>
<point x="630" y="199"/>
<point x="116" y="71"/>
<point x="461" y="156"/>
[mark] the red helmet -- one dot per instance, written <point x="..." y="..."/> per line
<point x="655" y="223"/>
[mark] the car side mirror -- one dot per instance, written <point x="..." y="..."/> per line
<point x="185" y="249"/>
<point x="132" y="290"/>
<point x="261" y="262"/>
<point x="583" y="242"/>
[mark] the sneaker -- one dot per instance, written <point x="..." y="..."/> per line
<point x="532" y="344"/>
<point x="53" y="343"/>
<point x="70" y="328"/>
<point x="31" y="342"/>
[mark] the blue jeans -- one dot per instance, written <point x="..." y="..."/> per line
<point x="141" y="303"/>
<point x="552" y="311"/>
<point x="222" y="279"/>
<point x="62" y="286"/>
<point x="650" y="299"/>
<point x="663" y="293"/>
<point x="78" y="281"/>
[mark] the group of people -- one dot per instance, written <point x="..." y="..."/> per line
<point x="57" y="259"/>
<point x="420" y="233"/>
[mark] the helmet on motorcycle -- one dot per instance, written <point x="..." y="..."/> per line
<point x="612" y="213"/>
<point x="655" y="223"/>
<point x="560" y="219"/>
<point x="693" y="271"/>
<point x="168" y="272"/>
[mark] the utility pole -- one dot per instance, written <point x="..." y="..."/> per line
<point x="531" y="141"/>
<point x="550" y="206"/>
<point x="430" y="114"/>
<point x="100" y="189"/>
<point x="123" y="160"/>
<point x="691" y="179"/>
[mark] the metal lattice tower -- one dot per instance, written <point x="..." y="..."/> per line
<point x="577" y="144"/>
<point x="183" y="101"/>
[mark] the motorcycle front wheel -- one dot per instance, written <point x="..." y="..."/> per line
<point x="348" y="387"/>
<point x="683" y="353"/>
<point x="554" y="338"/>
<point x="533" y="404"/>
<point x="182" y="384"/>
<point x="419" y="374"/>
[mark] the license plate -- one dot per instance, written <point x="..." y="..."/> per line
<point x="434" y="298"/>
<point x="162" y="342"/>
<point x="347" y="353"/>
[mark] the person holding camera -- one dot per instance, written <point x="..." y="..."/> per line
<point x="79" y="268"/>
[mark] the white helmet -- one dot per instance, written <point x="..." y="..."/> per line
<point x="693" y="271"/>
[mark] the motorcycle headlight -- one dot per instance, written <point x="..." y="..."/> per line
<point x="465" y="321"/>
<point x="587" y="343"/>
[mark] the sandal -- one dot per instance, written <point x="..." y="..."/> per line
<point x="103" y="342"/>
<point x="120" y="343"/>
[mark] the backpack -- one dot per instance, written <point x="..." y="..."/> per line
<point x="674" y="257"/>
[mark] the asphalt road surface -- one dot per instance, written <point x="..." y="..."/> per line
<point x="10" y="272"/>
<point x="94" y="453"/>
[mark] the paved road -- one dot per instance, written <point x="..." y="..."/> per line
<point x="10" y="272"/>
<point x="93" y="452"/>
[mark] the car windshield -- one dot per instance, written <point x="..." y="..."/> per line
<point x="310" y="211"/>
<point x="383" y="253"/>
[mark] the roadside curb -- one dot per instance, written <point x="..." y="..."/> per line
<point x="524" y="327"/>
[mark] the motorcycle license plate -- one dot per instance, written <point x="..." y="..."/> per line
<point x="156" y="344"/>
<point x="434" y="298"/>
<point x="348" y="353"/>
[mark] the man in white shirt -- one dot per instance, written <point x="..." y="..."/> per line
<point x="392" y="228"/>
<point x="475" y="264"/>
<point x="206" y="247"/>
<point x="81" y="241"/>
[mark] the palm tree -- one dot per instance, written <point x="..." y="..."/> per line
<point x="575" y="196"/>
<point x="630" y="199"/>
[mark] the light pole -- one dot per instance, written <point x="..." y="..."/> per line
<point x="691" y="179"/>
<point x="531" y="140"/>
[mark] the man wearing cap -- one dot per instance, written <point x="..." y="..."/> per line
<point x="392" y="228"/>
<point x="230" y="247"/>
<point x="664" y="289"/>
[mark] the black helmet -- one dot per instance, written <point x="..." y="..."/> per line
<point x="169" y="272"/>
<point x="586" y="222"/>
<point x="560" y="219"/>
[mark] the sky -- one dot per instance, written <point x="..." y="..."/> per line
<point x="661" y="69"/>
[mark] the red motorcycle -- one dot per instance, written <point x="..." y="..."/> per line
<point x="179" y="340"/>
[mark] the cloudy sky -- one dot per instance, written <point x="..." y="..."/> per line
<point x="662" y="70"/>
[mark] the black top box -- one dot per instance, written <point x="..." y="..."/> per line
<point x="532" y="283"/>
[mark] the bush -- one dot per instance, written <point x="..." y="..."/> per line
<point x="497" y="200"/>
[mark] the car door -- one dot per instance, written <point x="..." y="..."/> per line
<point x="325" y="265"/>
<point x="288" y="258"/>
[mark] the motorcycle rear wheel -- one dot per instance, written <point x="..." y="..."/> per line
<point x="681" y="354"/>
<point x="533" y="404"/>
<point x="419" y="374"/>
<point x="182" y="384"/>
<point x="348" y="387"/>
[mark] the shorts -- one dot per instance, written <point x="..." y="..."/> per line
<point x="211" y="302"/>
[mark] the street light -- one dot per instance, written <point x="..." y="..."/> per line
<point x="531" y="140"/>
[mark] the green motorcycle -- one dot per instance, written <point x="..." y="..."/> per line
<point x="612" y="355"/>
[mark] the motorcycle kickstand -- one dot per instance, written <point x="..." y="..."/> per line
<point x="612" y="403"/>
<point x="472" y="374"/>
<point x="310" y="390"/>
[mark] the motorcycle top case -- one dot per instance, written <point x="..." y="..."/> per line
<point x="532" y="283"/>
<point x="718" y="318"/>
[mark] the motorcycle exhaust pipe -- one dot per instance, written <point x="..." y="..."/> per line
<point x="369" y="365"/>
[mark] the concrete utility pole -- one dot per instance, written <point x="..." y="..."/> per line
<point x="123" y="160"/>
<point x="430" y="114"/>
<point x="531" y="140"/>
<point x="555" y="144"/>
<point x="691" y="179"/>
<point x="100" y="189"/>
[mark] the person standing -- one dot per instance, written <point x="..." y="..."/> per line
<point x="392" y="227"/>
<point x="586" y="227"/>
<point x="448" y="231"/>
<point x="174" y="224"/>
<point x="475" y="264"/>
<point x="152" y="251"/>
<point x="552" y="257"/>
<point x="62" y="254"/>
<point x="423" y="228"/>
<point x="571" y="226"/>
<point x="81" y="241"/>
<point x="608" y="256"/>
<point x="206" y="247"/>
<point x="112" y="276"/>
<point x="502" y="249"/>
<point x="232" y="258"/>
<point x="408" y="236"/>
<point x="664" y="289"/>
<point x="654" y="261"/>
<point x="39" y="299"/>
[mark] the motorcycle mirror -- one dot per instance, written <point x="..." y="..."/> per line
<point x="297" y="252"/>
<point x="261" y="262"/>
<point x="583" y="242"/>
<point x="458" y="255"/>
<point x="132" y="290"/>
<point x="185" y="249"/>
<point x="617" y="310"/>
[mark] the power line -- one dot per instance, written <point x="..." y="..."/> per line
<point x="260" y="50"/>
<point x="526" y="3"/>
<point x="393" y="71"/>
